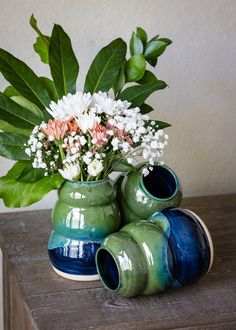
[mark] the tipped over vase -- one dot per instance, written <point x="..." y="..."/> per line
<point x="174" y="248"/>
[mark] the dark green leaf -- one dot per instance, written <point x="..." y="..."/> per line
<point x="135" y="68"/>
<point x="16" y="115"/>
<point x="145" y="108"/>
<point x="122" y="166"/>
<point x="11" y="91"/>
<point x="12" y="146"/>
<point x="105" y="67"/>
<point x="142" y="35"/>
<point x="152" y="62"/>
<point x="154" y="49"/>
<point x="24" y="80"/>
<point x="158" y="124"/>
<point x="6" y="127"/>
<point x="147" y="78"/>
<point x="166" y="40"/>
<point x="155" y="37"/>
<point x="41" y="45"/>
<point x="138" y="94"/>
<point x="120" y="81"/>
<point x="18" y="194"/>
<point x="63" y="63"/>
<point x="30" y="174"/>
<point x="21" y="100"/>
<point x="50" y="87"/>
<point x="135" y="45"/>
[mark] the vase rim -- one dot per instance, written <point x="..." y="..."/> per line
<point x="89" y="182"/>
<point x="118" y="269"/>
<point x="151" y="195"/>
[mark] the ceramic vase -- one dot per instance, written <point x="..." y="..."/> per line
<point x="140" y="196"/>
<point x="85" y="213"/>
<point x="172" y="249"/>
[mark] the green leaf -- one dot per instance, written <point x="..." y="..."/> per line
<point x="63" y="63"/>
<point x="147" y="78"/>
<point x="120" y="81"/>
<point x="135" y="67"/>
<point x="11" y="91"/>
<point x="145" y="108"/>
<point x="166" y="40"/>
<point x="24" y="80"/>
<point x="6" y="127"/>
<point x="158" y="124"/>
<point x="30" y="174"/>
<point x="50" y="87"/>
<point x="21" y="100"/>
<point x="15" y="114"/>
<point x="154" y="49"/>
<point x="105" y="67"/>
<point x="121" y="166"/>
<point x="135" y="45"/>
<point x="138" y="94"/>
<point x="41" y="45"/>
<point x="142" y="35"/>
<point x="16" y="193"/>
<point x="12" y="146"/>
<point x="152" y="62"/>
<point x="155" y="38"/>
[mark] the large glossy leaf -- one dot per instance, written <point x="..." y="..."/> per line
<point x="24" y="80"/>
<point x="147" y="78"/>
<point x="41" y="46"/>
<point x="16" y="193"/>
<point x="26" y="104"/>
<point x="50" y="87"/>
<point x="142" y="35"/>
<point x="105" y="67"/>
<point x="145" y="108"/>
<point x="121" y="165"/>
<point x="63" y="63"/>
<point x="15" y="114"/>
<point x="154" y="49"/>
<point x="6" y="127"/>
<point x="135" y="45"/>
<point x="10" y="91"/>
<point x="12" y="146"/>
<point x="120" y="81"/>
<point x="135" y="67"/>
<point x="138" y="94"/>
<point x="158" y="124"/>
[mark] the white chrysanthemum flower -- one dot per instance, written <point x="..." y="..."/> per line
<point x="70" y="171"/>
<point x="87" y="121"/>
<point x="103" y="101"/>
<point x="95" y="167"/>
<point x="70" y="106"/>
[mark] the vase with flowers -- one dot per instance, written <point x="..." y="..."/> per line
<point x="73" y="140"/>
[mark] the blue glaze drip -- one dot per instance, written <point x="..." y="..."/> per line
<point x="76" y="259"/>
<point x="189" y="250"/>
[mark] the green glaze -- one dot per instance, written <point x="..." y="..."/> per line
<point x="136" y="202"/>
<point x="141" y="258"/>
<point x="84" y="211"/>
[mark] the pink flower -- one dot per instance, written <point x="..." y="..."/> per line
<point x="119" y="133"/>
<point x="99" y="133"/>
<point x="56" y="128"/>
<point x="72" y="126"/>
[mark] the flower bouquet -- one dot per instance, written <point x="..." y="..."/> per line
<point x="56" y="133"/>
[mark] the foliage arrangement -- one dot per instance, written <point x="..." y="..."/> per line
<point x="54" y="132"/>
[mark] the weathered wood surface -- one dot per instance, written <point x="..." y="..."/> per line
<point x="37" y="298"/>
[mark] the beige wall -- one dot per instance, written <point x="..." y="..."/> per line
<point x="199" y="67"/>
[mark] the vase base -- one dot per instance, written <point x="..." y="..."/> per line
<point x="73" y="277"/>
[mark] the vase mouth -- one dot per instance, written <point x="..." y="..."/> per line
<point x="89" y="183"/>
<point x="161" y="184"/>
<point x="108" y="269"/>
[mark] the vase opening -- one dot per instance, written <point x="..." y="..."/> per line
<point x="107" y="269"/>
<point x="160" y="182"/>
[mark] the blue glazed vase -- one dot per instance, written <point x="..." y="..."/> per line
<point x="85" y="213"/>
<point x="173" y="249"/>
<point x="140" y="196"/>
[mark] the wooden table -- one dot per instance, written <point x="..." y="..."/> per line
<point x="35" y="297"/>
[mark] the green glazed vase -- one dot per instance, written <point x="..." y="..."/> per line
<point x="172" y="249"/>
<point x="85" y="213"/>
<point x="140" y="196"/>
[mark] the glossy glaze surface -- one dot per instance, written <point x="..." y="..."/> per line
<point x="146" y="257"/>
<point x="139" y="197"/>
<point x="85" y="213"/>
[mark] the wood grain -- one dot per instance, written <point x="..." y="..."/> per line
<point x="35" y="297"/>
